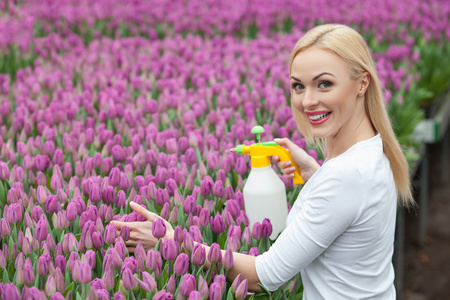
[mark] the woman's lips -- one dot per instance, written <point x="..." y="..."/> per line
<point x="318" y="117"/>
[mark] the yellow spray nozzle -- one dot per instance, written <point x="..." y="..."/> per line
<point x="260" y="153"/>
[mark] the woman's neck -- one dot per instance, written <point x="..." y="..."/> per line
<point x="356" y="130"/>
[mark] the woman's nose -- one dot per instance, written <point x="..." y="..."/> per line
<point x="309" y="99"/>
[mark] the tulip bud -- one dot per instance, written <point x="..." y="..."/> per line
<point x="221" y="281"/>
<point x="121" y="200"/>
<point x="236" y="282"/>
<point x="129" y="282"/>
<point x="217" y="224"/>
<point x="158" y="228"/>
<point x="51" y="205"/>
<point x="41" y="230"/>
<point x="50" y="286"/>
<point x="206" y="186"/>
<point x="266" y="228"/>
<point x="108" y="279"/>
<point x="242" y="289"/>
<point x="10" y="292"/>
<point x="43" y="264"/>
<point x="169" y="250"/>
<point x="97" y="240"/>
<point x="110" y="233"/>
<point x="188" y="284"/>
<point x="228" y="259"/>
<point x="181" y="264"/>
<point x="256" y="231"/>
<point x="215" y="254"/>
<point x="108" y="195"/>
<point x="125" y="233"/>
<point x="28" y="274"/>
<point x="215" y="293"/>
<point x="5" y="228"/>
<point x="253" y="251"/>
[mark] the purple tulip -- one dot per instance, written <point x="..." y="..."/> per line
<point x="41" y="230"/>
<point x="215" y="253"/>
<point x="51" y="205"/>
<point x="121" y="200"/>
<point x="28" y="274"/>
<point x="149" y="280"/>
<point x="162" y="295"/>
<point x="5" y="228"/>
<point x="43" y="264"/>
<point x="195" y="295"/>
<point x="50" y="285"/>
<point x="14" y="213"/>
<point x="97" y="240"/>
<point x="114" y="177"/>
<point x="241" y="166"/>
<point x="218" y="189"/>
<point x="171" y="286"/>
<point x="129" y="282"/>
<point x="110" y="233"/>
<point x="159" y="228"/>
<point x="108" y="279"/>
<point x="125" y="233"/>
<point x="169" y="250"/>
<point x="221" y="281"/>
<point x="198" y="257"/>
<point x="188" y="284"/>
<point x="217" y="224"/>
<point x="129" y="263"/>
<point x="256" y="231"/>
<point x="206" y="186"/>
<point x="85" y="272"/>
<point x="236" y="282"/>
<point x="215" y="292"/>
<point x="181" y="264"/>
<point x="266" y="228"/>
<point x="253" y="251"/>
<point x="228" y="259"/>
<point x="119" y="296"/>
<point x="10" y="292"/>
<point x="242" y="289"/>
<point x="60" y="262"/>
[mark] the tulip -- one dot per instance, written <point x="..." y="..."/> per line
<point x="110" y="233"/>
<point x="181" y="264"/>
<point x="253" y="251"/>
<point x="247" y="237"/>
<point x="170" y="286"/>
<point x="159" y="228"/>
<point x="218" y="189"/>
<point x="169" y="250"/>
<point x="256" y="231"/>
<point x="125" y="233"/>
<point x="98" y="284"/>
<point x="14" y="213"/>
<point x="188" y="284"/>
<point x="60" y="262"/>
<point x="57" y="296"/>
<point x="43" y="264"/>
<point x="228" y="259"/>
<point x="121" y="200"/>
<point x="108" y="279"/>
<point x="242" y="289"/>
<point x="28" y="274"/>
<point x="217" y="224"/>
<point x="195" y="295"/>
<point x="119" y="296"/>
<point x="51" y="205"/>
<point x="206" y="186"/>
<point x="5" y="229"/>
<point x="73" y="257"/>
<point x="108" y="195"/>
<point x="129" y="282"/>
<point x="266" y="228"/>
<point x="2" y="260"/>
<point x="97" y="240"/>
<point x="215" y="254"/>
<point x="50" y="285"/>
<point x="221" y="281"/>
<point x="89" y="256"/>
<point x="233" y="243"/>
<point x="95" y="194"/>
<point x="149" y="280"/>
<point x="236" y="282"/>
<point x="215" y="292"/>
<point x="10" y="292"/>
<point x="41" y="230"/>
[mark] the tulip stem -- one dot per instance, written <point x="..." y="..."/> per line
<point x="210" y="271"/>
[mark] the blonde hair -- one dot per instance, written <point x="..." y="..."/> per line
<point x="350" y="46"/>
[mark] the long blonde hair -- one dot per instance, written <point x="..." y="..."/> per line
<point x="350" y="46"/>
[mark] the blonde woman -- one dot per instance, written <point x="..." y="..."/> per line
<point x="340" y="231"/>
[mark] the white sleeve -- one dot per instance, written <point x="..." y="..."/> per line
<point x="332" y="205"/>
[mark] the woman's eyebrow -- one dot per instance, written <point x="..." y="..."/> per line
<point x="323" y="73"/>
<point x="315" y="77"/>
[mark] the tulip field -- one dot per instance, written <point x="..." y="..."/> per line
<point x="106" y="102"/>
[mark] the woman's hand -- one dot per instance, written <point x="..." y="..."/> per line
<point x="307" y="164"/>
<point x="142" y="230"/>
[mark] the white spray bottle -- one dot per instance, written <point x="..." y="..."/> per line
<point x="264" y="192"/>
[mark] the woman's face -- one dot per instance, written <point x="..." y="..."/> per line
<point x="323" y="91"/>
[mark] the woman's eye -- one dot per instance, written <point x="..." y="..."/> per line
<point x="297" y="87"/>
<point x="325" y="84"/>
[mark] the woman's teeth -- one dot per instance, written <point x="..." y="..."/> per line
<point x="318" y="117"/>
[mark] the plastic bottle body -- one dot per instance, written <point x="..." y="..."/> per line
<point x="265" y="197"/>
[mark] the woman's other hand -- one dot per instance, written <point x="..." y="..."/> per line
<point x="307" y="164"/>
<point x="142" y="230"/>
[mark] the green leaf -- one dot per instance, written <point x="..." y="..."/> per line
<point x="230" y="295"/>
<point x="5" y="276"/>
<point x="69" y="287"/>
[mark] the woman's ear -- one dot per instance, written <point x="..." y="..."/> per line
<point x="364" y="82"/>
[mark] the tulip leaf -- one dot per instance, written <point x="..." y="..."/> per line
<point x="69" y="287"/>
<point x="267" y="292"/>
<point x="230" y="295"/>
<point x="5" y="276"/>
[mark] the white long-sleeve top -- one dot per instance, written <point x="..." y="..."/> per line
<point x="340" y="231"/>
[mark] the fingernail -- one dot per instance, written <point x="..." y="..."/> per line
<point x="132" y="203"/>
<point x="288" y="163"/>
<point x="292" y="169"/>
<point x="276" y="139"/>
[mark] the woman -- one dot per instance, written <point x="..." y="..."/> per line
<point x="340" y="231"/>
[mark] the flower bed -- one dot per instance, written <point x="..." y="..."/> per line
<point x="101" y="105"/>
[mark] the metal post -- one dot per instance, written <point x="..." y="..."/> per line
<point x="445" y="154"/>
<point x="423" y="196"/>
<point x="399" y="252"/>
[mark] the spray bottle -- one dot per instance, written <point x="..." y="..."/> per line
<point x="264" y="192"/>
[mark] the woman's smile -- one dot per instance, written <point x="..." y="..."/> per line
<point x="318" y="117"/>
